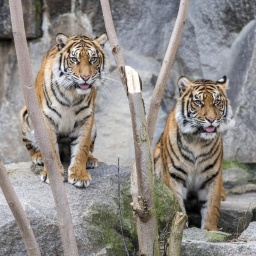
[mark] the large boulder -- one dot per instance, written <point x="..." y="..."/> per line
<point x="217" y="40"/>
<point x="95" y="212"/>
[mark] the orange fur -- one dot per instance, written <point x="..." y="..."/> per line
<point x="66" y="91"/>
<point x="189" y="154"/>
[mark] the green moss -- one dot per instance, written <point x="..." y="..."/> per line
<point x="166" y="203"/>
<point x="232" y="164"/>
<point x="218" y="236"/>
<point x="106" y="221"/>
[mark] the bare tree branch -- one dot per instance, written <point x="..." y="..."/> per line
<point x="143" y="204"/>
<point x="46" y="147"/>
<point x="166" y="68"/>
<point x="175" y="239"/>
<point x="19" y="214"/>
<point x="113" y="40"/>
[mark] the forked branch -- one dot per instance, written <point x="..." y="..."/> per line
<point x="46" y="147"/>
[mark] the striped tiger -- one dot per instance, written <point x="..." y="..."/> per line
<point x="188" y="155"/>
<point x="66" y="90"/>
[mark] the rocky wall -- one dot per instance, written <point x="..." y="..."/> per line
<point x="218" y="39"/>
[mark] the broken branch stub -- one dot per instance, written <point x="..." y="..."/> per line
<point x="143" y="186"/>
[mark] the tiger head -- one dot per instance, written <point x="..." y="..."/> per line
<point x="203" y="107"/>
<point x="80" y="62"/>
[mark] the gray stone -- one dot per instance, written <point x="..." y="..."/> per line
<point x="240" y="142"/>
<point x="235" y="176"/>
<point x="237" y="212"/>
<point x="249" y="234"/>
<point x="32" y="15"/>
<point x="218" y="39"/>
<point x="95" y="212"/>
<point x="191" y="234"/>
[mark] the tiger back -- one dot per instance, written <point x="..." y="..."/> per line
<point x="188" y="156"/>
<point x="66" y="88"/>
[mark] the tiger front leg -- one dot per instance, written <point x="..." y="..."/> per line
<point x="80" y="153"/>
<point x="210" y="211"/>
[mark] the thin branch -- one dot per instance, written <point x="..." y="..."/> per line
<point x="120" y="210"/>
<point x="175" y="239"/>
<point x="46" y="147"/>
<point x="113" y="40"/>
<point x="19" y="214"/>
<point x="166" y="68"/>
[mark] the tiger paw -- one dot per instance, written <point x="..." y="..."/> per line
<point x="37" y="159"/>
<point x="92" y="162"/>
<point x="45" y="177"/>
<point x="79" y="178"/>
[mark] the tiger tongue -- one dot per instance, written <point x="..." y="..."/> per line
<point x="209" y="129"/>
<point x="84" y="86"/>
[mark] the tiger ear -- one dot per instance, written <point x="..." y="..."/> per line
<point x="183" y="84"/>
<point x="102" y="39"/>
<point x="223" y="82"/>
<point x="61" y="40"/>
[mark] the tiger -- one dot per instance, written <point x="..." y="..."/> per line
<point x="188" y="156"/>
<point x="66" y="88"/>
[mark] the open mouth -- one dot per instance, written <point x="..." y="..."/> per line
<point x="83" y="86"/>
<point x="209" y="129"/>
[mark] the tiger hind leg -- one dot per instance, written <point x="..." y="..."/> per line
<point x="92" y="162"/>
<point x="29" y="139"/>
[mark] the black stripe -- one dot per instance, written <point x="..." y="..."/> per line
<point x="157" y="158"/>
<point x="215" y="142"/>
<point x="57" y="98"/>
<point x="178" y="178"/>
<point x="169" y="141"/>
<point x="210" y="166"/>
<point x="78" y="123"/>
<point x="29" y="146"/>
<point x="175" y="166"/>
<point x="210" y="179"/>
<point x="182" y="147"/>
<point x="51" y="108"/>
<point x="84" y="107"/>
<point x="60" y="62"/>
<point x="51" y="120"/>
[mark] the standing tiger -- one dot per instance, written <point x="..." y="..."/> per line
<point x="188" y="156"/>
<point x="66" y="90"/>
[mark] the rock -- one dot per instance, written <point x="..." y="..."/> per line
<point x="240" y="142"/>
<point x="94" y="210"/>
<point x="249" y="234"/>
<point x="237" y="212"/>
<point x="218" y="39"/>
<point x="191" y="234"/>
<point x="32" y="13"/>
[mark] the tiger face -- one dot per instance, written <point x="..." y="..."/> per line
<point x="80" y="62"/>
<point x="203" y="107"/>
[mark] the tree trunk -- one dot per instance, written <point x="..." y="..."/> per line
<point x="19" y="214"/>
<point x="46" y="147"/>
<point x="143" y="184"/>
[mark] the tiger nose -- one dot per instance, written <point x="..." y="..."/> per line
<point x="210" y="119"/>
<point x="85" y="78"/>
